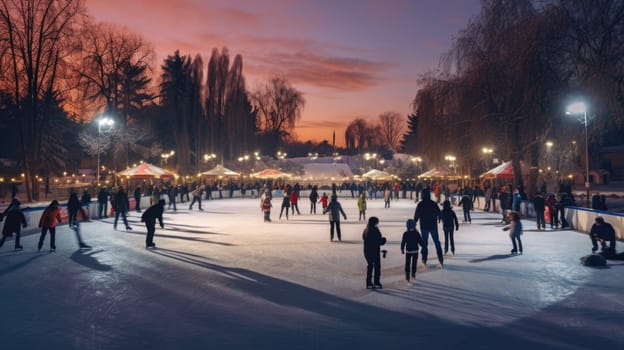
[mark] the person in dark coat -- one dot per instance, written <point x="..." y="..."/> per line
<point x="85" y="200"/>
<point x="149" y="218"/>
<point x="121" y="206"/>
<point x="73" y="206"/>
<point x="602" y="232"/>
<point x="410" y="243"/>
<point x="373" y="240"/>
<point x="102" y="199"/>
<point x="172" y="193"/>
<point x="314" y="196"/>
<point x="335" y="209"/>
<point x="450" y="224"/>
<point x="15" y="220"/>
<point x="466" y="204"/>
<point x="137" y="199"/>
<point x="14" y="202"/>
<point x="539" y="205"/>
<point x="564" y="202"/>
<point x="505" y="198"/>
<point x="285" y="204"/>
<point x="428" y="211"/>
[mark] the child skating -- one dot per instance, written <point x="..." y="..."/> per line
<point x="409" y="246"/>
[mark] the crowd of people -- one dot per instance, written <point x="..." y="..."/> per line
<point x="427" y="212"/>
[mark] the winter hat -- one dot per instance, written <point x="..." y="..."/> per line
<point x="426" y="194"/>
<point x="372" y="221"/>
<point x="411" y="224"/>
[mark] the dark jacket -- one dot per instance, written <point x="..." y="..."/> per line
<point x="335" y="209"/>
<point x="411" y="241"/>
<point x="539" y="203"/>
<point x="137" y="193"/>
<point x="73" y="204"/>
<point x="152" y="213"/>
<point x="314" y="196"/>
<point x="604" y="232"/>
<point x="102" y="196"/>
<point x="449" y="220"/>
<point x="15" y="219"/>
<point x="427" y="211"/>
<point x="121" y="203"/>
<point x="466" y="202"/>
<point x="86" y="198"/>
<point x="372" y="241"/>
<point x="505" y="200"/>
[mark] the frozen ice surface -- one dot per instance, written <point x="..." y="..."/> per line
<point x="223" y="279"/>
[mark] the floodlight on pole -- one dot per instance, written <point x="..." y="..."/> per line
<point x="580" y="108"/>
<point x="106" y="122"/>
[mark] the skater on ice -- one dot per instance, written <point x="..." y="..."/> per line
<point x="515" y="231"/>
<point x="265" y="206"/>
<point x="49" y="219"/>
<point x="149" y="218"/>
<point x="410" y="243"/>
<point x="335" y="209"/>
<point x="602" y="232"/>
<point x="361" y="203"/>
<point x="373" y="240"/>
<point x="121" y="204"/>
<point x="428" y="211"/>
<point x="450" y="224"/>
<point x="15" y="220"/>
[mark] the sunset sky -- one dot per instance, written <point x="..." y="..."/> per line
<point x="349" y="58"/>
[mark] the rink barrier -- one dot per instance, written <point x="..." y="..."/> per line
<point x="580" y="219"/>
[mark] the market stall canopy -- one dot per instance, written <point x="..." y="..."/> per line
<point x="270" y="174"/>
<point x="434" y="173"/>
<point x="378" y="175"/>
<point x="326" y="171"/>
<point x="503" y="171"/>
<point x="146" y="171"/>
<point x="220" y="170"/>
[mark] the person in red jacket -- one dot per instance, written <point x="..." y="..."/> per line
<point x="324" y="200"/>
<point x="49" y="219"/>
<point x="294" y="199"/>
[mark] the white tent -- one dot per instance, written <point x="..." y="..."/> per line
<point x="378" y="175"/>
<point x="324" y="172"/>
<point x="220" y="170"/>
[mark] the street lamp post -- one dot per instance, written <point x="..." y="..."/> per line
<point x="487" y="152"/>
<point x="452" y="159"/>
<point x="165" y="157"/>
<point x="108" y="122"/>
<point x="580" y="108"/>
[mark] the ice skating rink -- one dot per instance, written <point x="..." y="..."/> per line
<point x="223" y="279"/>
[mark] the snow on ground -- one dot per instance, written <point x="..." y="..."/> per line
<point x="223" y="279"/>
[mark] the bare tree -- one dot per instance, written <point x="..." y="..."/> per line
<point x="113" y="76"/>
<point x="279" y="108"/>
<point x="37" y="37"/>
<point x="392" y="126"/>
